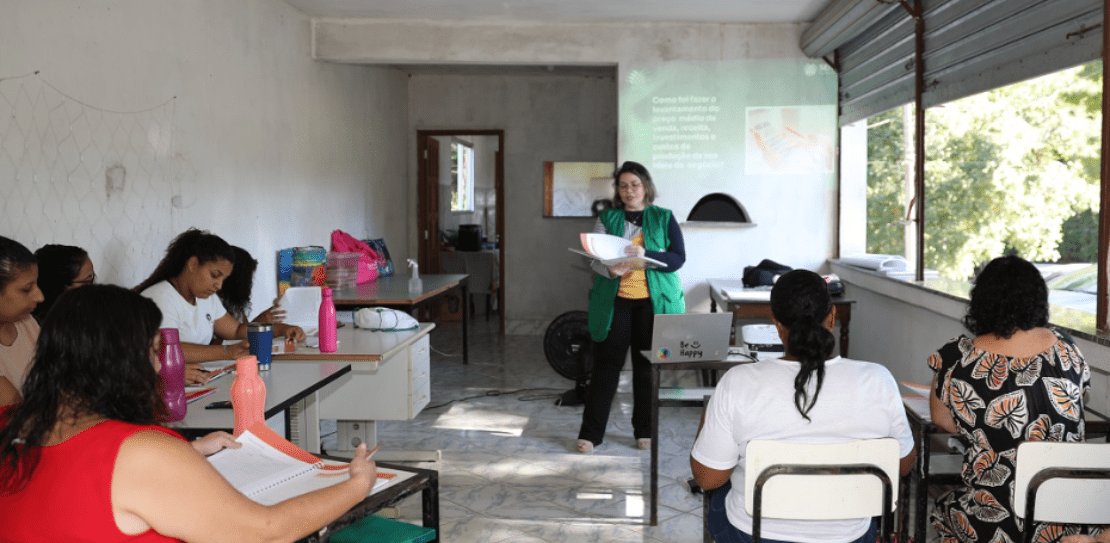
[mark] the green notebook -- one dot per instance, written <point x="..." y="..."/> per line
<point x="373" y="529"/>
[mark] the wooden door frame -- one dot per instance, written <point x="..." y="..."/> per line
<point x="426" y="226"/>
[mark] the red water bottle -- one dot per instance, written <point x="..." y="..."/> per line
<point x="172" y="371"/>
<point x="248" y="394"/>
<point x="327" y="326"/>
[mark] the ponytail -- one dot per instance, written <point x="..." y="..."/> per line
<point x="800" y="302"/>
<point x="811" y="343"/>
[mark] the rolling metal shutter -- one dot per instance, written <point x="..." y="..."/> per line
<point x="970" y="46"/>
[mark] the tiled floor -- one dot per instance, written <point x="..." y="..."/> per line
<point x="509" y="471"/>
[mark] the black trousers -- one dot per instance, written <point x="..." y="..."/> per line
<point x="632" y="323"/>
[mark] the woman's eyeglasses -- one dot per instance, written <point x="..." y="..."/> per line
<point x="88" y="281"/>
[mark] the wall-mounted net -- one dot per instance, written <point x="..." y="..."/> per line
<point x="76" y="174"/>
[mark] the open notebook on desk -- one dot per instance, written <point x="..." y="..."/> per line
<point x="268" y="469"/>
<point x="918" y="400"/>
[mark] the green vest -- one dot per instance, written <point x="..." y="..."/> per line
<point x="664" y="287"/>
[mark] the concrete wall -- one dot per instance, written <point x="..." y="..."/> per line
<point x="271" y="149"/>
<point x="544" y="118"/>
<point x="544" y="42"/>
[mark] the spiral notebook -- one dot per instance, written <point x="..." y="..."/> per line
<point x="269" y="469"/>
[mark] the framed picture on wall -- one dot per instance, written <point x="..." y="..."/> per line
<point x="577" y="189"/>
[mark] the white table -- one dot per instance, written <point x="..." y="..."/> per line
<point x="390" y="379"/>
<point x="287" y="385"/>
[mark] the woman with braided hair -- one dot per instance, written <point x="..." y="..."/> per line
<point x="807" y="396"/>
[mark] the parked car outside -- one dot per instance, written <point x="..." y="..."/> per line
<point x="1076" y="289"/>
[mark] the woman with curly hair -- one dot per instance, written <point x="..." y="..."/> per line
<point x="1013" y="380"/>
<point x="236" y="290"/>
<point x="83" y="458"/>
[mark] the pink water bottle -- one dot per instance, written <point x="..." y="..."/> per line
<point x="328" y="341"/>
<point x="248" y="394"/>
<point x="172" y="371"/>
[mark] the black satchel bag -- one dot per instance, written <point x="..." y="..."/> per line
<point x="763" y="274"/>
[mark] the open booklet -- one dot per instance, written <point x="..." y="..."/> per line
<point x="609" y="249"/>
<point x="268" y="469"/>
<point x="918" y="400"/>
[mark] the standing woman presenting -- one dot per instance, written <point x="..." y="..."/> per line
<point x="624" y="302"/>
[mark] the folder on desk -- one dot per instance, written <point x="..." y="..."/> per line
<point x="747" y="294"/>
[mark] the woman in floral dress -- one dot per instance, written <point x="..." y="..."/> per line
<point x="1015" y="380"/>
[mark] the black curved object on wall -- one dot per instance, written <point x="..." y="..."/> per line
<point x="719" y="207"/>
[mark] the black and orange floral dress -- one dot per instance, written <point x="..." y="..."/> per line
<point x="999" y="401"/>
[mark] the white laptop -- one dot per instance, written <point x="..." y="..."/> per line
<point x="690" y="337"/>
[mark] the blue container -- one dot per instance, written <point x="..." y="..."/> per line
<point x="260" y="335"/>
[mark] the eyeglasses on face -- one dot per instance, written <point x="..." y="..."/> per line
<point x="88" y="281"/>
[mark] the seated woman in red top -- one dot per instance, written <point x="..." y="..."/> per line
<point x="83" y="457"/>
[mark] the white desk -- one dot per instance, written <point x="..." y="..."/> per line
<point x="389" y="380"/>
<point x="286" y="385"/>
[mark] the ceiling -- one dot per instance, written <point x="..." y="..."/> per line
<point x="610" y="11"/>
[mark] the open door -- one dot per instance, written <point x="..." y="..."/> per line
<point x="428" y="203"/>
<point x="431" y="214"/>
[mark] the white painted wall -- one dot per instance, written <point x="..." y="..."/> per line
<point x="271" y="149"/>
<point x="899" y="326"/>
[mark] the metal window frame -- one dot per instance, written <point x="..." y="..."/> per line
<point x="936" y="51"/>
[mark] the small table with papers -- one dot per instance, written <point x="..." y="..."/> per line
<point x="745" y="303"/>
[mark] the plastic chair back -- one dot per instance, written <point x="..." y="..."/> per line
<point x="807" y="496"/>
<point x="830" y="481"/>
<point x="1062" y="482"/>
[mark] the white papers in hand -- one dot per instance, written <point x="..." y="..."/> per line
<point x="609" y="249"/>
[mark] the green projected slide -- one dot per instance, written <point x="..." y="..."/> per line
<point x="703" y="127"/>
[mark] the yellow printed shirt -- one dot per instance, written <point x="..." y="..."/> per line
<point x="634" y="283"/>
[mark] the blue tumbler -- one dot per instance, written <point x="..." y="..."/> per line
<point x="261" y="338"/>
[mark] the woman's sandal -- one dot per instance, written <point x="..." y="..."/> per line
<point x="644" y="443"/>
<point x="585" y="446"/>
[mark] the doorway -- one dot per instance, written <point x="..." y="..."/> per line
<point x="460" y="212"/>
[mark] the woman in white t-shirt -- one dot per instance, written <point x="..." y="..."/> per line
<point x="807" y="396"/>
<point x="184" y="286"/>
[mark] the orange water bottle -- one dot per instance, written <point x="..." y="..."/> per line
<point x="248" y="394"/>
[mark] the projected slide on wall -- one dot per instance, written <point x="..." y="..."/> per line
<point x="704" y="127"/>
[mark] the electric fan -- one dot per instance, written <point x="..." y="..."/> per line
<point x="569" y="349"/>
